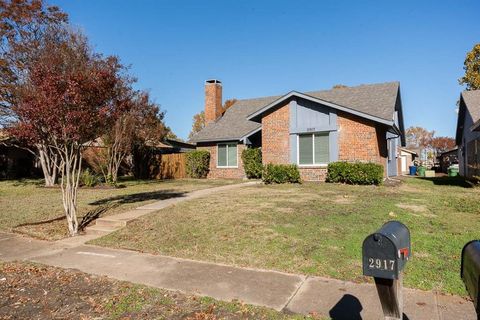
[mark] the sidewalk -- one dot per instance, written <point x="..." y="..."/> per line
<point x="281" y="291"/>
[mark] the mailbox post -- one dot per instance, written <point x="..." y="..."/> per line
<point x="470" y="272"/>
<point x="385" y="254"/>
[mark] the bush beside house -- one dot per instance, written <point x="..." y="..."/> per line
<point x="281" y="173"/>
<point x="197" y="163"/>
<point x="355" y="173"/>
<point x="252" y="162"/>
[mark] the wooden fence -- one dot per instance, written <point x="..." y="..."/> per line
<point x="172" y="166"/>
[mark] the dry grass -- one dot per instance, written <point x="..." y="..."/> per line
<point x="27" y="207"/>
<point x="316" y="229"/>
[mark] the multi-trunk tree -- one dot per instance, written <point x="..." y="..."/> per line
<point x="65" y="102"/>
<point x="137" y="124"/>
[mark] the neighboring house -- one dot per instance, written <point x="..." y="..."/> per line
<point x="311" y="129"/>
<point x="16" y="162"/>
<point x="447" y="158"/>
<point x="169" y="146"/>
<point x="406" y="158"/>
<point x="468" y="134"/>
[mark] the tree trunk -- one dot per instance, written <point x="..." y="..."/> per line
<point x="49" y="163"/>
<point x="114" y="161"/>
<point x="70" y="170"/>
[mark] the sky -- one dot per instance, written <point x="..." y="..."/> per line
<point x="263" y="48"/>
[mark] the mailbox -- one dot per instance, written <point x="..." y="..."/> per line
<point x="386" y="251"/>
<point x="470" y="271"/>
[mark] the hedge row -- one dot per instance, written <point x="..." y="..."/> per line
<point x="197" y="166"/>
<point x="281" y="173"/>
<point x="197" y="163"/>
<point x="355" y="173"/>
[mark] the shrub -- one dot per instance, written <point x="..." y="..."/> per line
<point x="88" y="178"/>
<point x="197" y="163"/>
<point x="281" y="173"/>
<point x="252" y="162"/>
<point x="355" y="173"/>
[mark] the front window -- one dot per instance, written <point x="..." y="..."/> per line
<point x="227" y="155"/>
<point x="313" y="149"/>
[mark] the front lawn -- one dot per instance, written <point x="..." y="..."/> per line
<point x="32" y="291"/>
<point x="316" y="228"/>
<point x="27" y="207"/>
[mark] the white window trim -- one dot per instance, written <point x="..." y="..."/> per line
<point x="236" y="155"/>
<point x="314" y="165"/>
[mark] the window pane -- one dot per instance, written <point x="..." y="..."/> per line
<point x="321" y="148"/>
<point x="232" y="155"/>
<point x="305" y="149"/>
<point x="222" y="155"/>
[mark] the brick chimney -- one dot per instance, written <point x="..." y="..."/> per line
<point x="213" y="100"/>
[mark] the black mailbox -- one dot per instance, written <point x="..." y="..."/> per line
<point x="470" y="271"/>
<point x="386" y="251"/>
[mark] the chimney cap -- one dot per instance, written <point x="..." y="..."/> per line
<point x="213" y="81"/>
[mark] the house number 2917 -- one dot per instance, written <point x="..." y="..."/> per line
<point x="381" y="264"/>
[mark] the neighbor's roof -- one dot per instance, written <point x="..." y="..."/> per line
<point x="472" y="103"/>
<point x="408" y="150"/>
<point x="376" y="100"/>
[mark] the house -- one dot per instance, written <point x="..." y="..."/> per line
<point x="15" y="161"/>
<point x="468" y="133"/>
<point x="310" y="129"/>
<point x="406" y="158"/>
<point x="169" y="146"/>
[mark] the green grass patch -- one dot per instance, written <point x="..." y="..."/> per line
<point x="316" y="228"/>
<point x="26" y="206"/>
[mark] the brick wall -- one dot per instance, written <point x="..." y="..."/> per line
<point x="275" y="136"/>
<point x="361" y="140"/>
<point x="224" y="173"/>
<point x="313" y="174"/>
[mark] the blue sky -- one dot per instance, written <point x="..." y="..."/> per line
<point x="261" y="48"/>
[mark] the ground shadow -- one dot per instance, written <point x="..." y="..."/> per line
<point x="86" y="219"/>
<point x="349" y="308"/>
<point x="94" y="214"/>
<point x="139" y="197"/>
<point x="40" y="222"/>
<point x="449" y="181"/>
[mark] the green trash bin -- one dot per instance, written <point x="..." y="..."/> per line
<point x="452" y="172"/>
<point x="421" y="171"/>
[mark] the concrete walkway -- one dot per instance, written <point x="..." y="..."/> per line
<point x="281" y="291"/>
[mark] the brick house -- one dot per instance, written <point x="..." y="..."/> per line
<point x="311" y="129"/>
<point x="468" y="134"/>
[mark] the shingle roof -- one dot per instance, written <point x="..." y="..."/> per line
<point x="472" y="102"/>
<point x="377" y="100"/>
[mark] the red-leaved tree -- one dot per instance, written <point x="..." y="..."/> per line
<point x="65" y="103"/>
<point x="442" y="144"/>
<point x="23" y="25"/>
